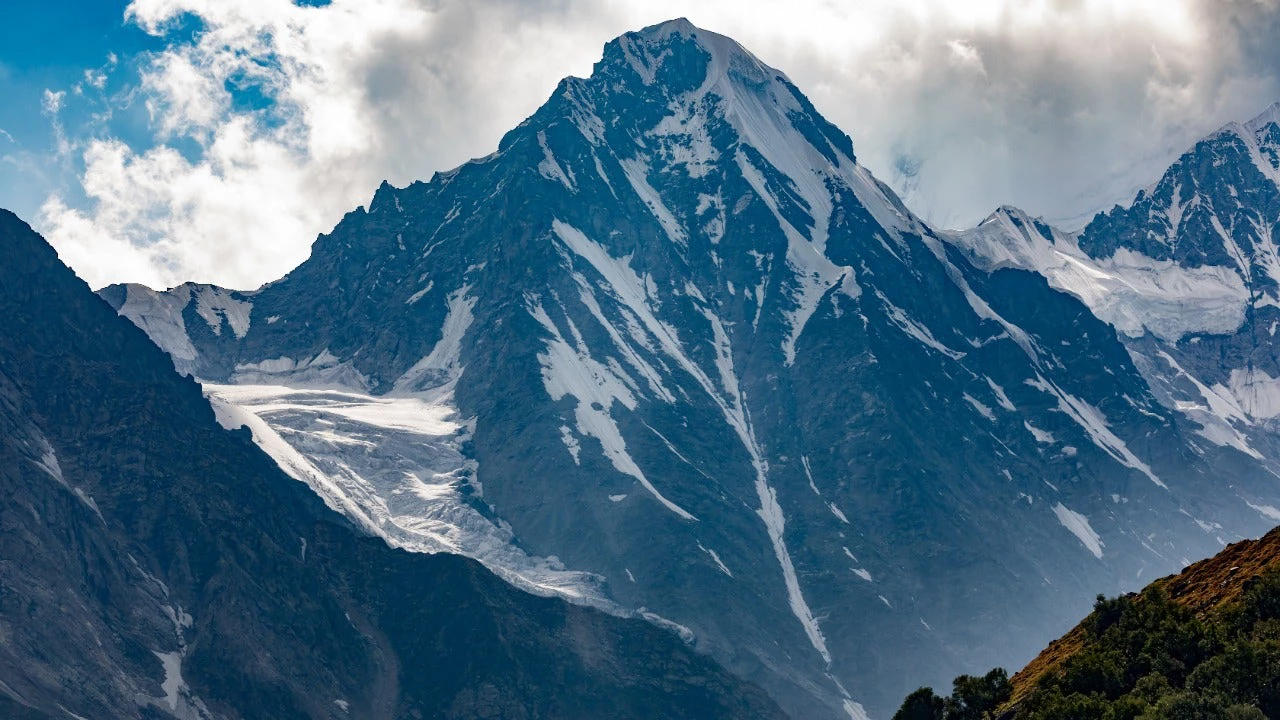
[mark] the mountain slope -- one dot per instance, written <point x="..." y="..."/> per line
<point x="1200" y="644"/>
<point x="671" y="350"/>
<point x="153" y="564"/>
<point x="1210" y="590"/>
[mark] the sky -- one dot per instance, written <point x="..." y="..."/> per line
<point x="161" y="141"/>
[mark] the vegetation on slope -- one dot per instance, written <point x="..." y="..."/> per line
<point x="1201" y="645"/>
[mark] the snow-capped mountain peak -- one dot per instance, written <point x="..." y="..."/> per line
<point x="1134" y="293"/>
<point x="1215" y="206"/>
<point x="701" y="81"/>
<point x="672" y="351"/>
<point x="1188" y="273"/>
<point x="646" y="51"/>
<point x="1267" y="117"/>
<point x="1191" y="254"/>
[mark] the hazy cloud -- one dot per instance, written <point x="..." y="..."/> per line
<point x="1058" y="107"/>
<point x="276" y="119"/>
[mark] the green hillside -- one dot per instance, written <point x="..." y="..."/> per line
<point x="1200" y="645"/>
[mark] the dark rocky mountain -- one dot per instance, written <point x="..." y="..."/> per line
<point x="155" y="565"/>
<point x="671" y="350"/>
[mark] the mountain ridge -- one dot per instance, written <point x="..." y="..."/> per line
<point x="1197" y="644"/>
<point x="671" y="336"/>
<point x="1186" y="273"/>
<point x="1204" y="588"/>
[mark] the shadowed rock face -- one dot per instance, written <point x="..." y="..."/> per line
<point x="153" y="564"/>
<point x="683" y="354"/>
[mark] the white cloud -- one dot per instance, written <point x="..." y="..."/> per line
<point x="359" y="91"/>
<point x="95" y="79"/>
<point x="964" y="55"/>
<point x="1060" y="106"/>
<point x="52" y="101"/>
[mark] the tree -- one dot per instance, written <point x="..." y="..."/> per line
<point x="922" y="704"/>
<point x="972" y="697"/>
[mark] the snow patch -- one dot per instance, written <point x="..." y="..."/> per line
<point x="637" y="173"/>
<point x="178" y="698"/>
<point x="442" y="367"/>
<point x="1079" y="526"/>
<point x="160" y="317"/>
<point x="1001" y="398"/>
<point x="393" y="465"/>
<point x="550" y="168"/>
<point x="414" y="297"/>
<point x="48" y="462"/>
<point x="216" y="305"/>
<point x="808" y="473"/>
<point x="1094" y="424"/>
<point x="1132" y="292"/>
<point x="571" y="371"/>
<point x="915" y="330"/>
<point x="1042" y="436"/>
<point x="715" y="558"/>
<point x="1266" y="511"/>
<point x="982" y="409"/>
<point x="571" y="443"/>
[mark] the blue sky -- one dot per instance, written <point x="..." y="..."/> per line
<point x="227" y="133"/>
<point x="44" y="45"/>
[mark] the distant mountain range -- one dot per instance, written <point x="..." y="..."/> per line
<point x="1189" y="276"/>
<point x="672" y="352"/>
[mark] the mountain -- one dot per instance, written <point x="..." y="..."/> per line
<point x="1188" y="276"/>
<point x="155" y="565"/>
<point x="671" y="350"/>
<point x="1200" y="644"/>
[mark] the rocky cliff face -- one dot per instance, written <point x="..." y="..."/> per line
<point x="153" y="564"/>
<point x="671" y="350"/>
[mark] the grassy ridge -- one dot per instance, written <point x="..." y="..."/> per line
<point x="1203" y="644"/>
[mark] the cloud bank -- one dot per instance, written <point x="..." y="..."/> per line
<point x="272" y="119"/>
